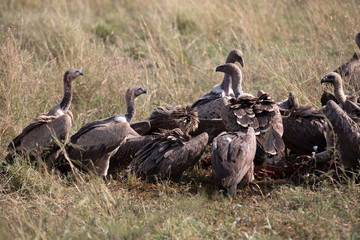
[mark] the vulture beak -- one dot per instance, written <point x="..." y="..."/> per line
<point x="219" y="68"/>
<point x="143" y="90"/>
<point x="324" y="80"/>
<point x="241" y="61"/>
<point x="81" y="72"/>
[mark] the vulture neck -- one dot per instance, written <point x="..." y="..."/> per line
<point x="66" y="100"/>
<point x="237" y="82"/>
<point x="225" y="85"/>
<point x="339" y="92"/>
<point x="130" y="107"/>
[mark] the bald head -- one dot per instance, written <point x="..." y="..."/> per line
<point x="235" y="56"/>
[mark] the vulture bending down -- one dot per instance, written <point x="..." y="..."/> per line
<point x="209" y="105"/>
<point x="260" y="113"/>
<point x="168" y="155"/>
<point x="350" y="71"/>
<point x="232" y="157"/>
<point x="94" y="144"/>
<point x="169" y="117"/>
<point x="348" y="135"/>
<point x="40" y="137"/>
<point x="351" y="108"/>
<point x="303" y="127"/>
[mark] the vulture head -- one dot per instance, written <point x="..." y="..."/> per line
<point x="234" y="71"/>
<point x="333" y="77"/>
<point x="72" y="74"/>
<point x="134" y="91"/>
<point x="235" y="56"/>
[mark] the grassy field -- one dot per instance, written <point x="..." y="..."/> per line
<point x="172" y="48"/>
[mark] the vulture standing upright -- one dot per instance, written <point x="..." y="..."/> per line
<point x="351" y="108"/>
<point x="209" y="105"/>
<point x="94" y="144"/>
<point x="232" y="158"/>
<point x="303" y="126"/>
<point x="260" y="113"/>
<point x="40" y="137"/>
<point x="348" y="135"/>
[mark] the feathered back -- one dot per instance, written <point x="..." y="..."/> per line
<point x="260" y="113"/>
<point x="171" y="117"/>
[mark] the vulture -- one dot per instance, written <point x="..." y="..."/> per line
<point x="232" y="158"/>
<point x="169" y="154"/>
<point x="260" y="113"/>
<point x="93" y="145"/>
<point x="350" y="71"/>
<point x="303" y="127"/>
<point x="41" y="136"/>
<point x="209" y="105"/>
<point x="347" y="132"/>
<point x="169" y="117"/>
<point x="351" y="108"/>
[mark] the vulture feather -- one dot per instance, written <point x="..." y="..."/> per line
<point x="168" y="155"/>
<point x="232" y="158"/>
<point x="40" y="137"/>
<point x="303" y="127"/>
<point x="209" y="105"/>
<point x="348" y="135"/>
<point x="261" y="113"/>
<point x="96" y="142"/>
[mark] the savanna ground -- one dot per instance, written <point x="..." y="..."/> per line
<point x="171" y="48"/>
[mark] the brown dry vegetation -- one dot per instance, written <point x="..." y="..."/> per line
<point x="171" y="48"/>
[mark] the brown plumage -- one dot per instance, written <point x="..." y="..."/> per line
<point x="168" y="155"/>
<point x="232" y="158"/>
<point x="350" y="71"/>
<point x="348" y="135"/>
<point x="260" y="113"/>
<point x="94" y="144"/>
<point x="351" y="108"/>
<point x="170" y="117"/>
<point x="303" y="127"/>
<point x="208" y="106"/>
<point x="40" y="137"/>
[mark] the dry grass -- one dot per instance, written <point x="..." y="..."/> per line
<point x="171" y="48"/>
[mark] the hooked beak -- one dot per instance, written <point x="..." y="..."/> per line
<point x="219" y="69"/>
<point x="81" y="73"/>
<point x="143" y="90"/>
<point x="324" y="80"/>
<point x="241" y="61"/>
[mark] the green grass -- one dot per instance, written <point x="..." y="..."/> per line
<point x="172" y="48"/>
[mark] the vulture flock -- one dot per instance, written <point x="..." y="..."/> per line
<point x="245" y="131"/>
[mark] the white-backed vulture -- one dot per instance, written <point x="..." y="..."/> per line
<point x="350" y="71"/>
<point x="303" y="127"/>
<point x="348" y="135"/>
<point x="232" y="158"/>
<point x="94" y="144"/>
<point x="260" y="113"/>
<point x="39" y="138"/>
<point x="351" y="108"/>
<point x="168" y="155"/>
<point x="208" y="106"/>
